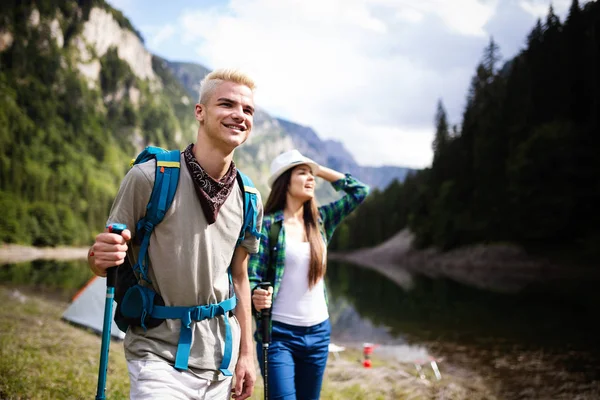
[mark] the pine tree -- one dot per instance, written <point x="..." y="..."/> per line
<point x="534" y="39"/>
<point x="441" y="132"/>
<point x="491" y="58"/>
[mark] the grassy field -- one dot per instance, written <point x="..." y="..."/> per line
<point x="42" y="357"/>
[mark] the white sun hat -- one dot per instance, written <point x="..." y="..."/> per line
<point x="287" y="160"/>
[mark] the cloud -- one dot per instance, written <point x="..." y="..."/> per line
<point x="466" y="17"/>
<point x="366" y="72"/>
<point x="343" y="67"/>
<point x="158" y="35"/>
<point x="539" y="8"/>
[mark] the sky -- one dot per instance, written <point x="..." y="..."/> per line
<point x="367" y="73"/>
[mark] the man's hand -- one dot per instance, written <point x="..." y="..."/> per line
<point x="109" y="250"/>
<point x="245" y="377"/>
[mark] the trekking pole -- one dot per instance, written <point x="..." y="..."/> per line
<point x="265" y="322"/>
<point x="111" y="280"/>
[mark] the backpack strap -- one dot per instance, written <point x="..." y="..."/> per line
<point x="250" y="207"/>
<point x="198" y="313"/>
<point x="163" y="192"/>
<point x="149" y="153"/>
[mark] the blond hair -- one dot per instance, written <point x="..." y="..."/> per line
<point x="218" y="76"/>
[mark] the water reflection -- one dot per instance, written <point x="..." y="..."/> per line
<point x="434" y="308"/>
<point x="61" y="278"/>
<point x="538" y="343"/>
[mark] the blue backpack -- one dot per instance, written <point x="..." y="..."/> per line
<point x="140" y="305"/>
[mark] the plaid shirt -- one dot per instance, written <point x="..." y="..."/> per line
<point x="330" y="217"/>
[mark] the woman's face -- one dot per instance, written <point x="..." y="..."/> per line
<point x="302" y="183"/>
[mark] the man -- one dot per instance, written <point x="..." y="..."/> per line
<point x="190" y="251"/>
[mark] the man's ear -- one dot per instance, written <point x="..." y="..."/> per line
<point x="200" y="111"/>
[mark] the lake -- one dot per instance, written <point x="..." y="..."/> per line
<point x="539" y="343"/>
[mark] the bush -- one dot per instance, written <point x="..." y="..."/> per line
<point x="45" y="223"/>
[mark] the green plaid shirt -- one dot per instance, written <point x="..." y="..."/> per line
<point x="330" y="217"/>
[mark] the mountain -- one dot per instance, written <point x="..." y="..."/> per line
<point x="189" y="75"/>
<point x="333" y="154"/>
<point x="81" y="95"/>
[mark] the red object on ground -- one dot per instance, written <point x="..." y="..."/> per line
<point x="367" y="351"/>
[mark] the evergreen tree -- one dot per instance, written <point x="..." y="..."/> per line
<point x="491" y="58"/>
<point x="441" y="133"/>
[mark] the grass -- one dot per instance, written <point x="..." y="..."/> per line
<point x="43" y="357"/>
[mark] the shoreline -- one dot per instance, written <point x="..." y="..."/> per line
<point x="497" y="267"/>
<point x="15" y="253"/>
<point x="500" y="268"/>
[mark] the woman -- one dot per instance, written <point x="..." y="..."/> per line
<point x="296" y="265"/>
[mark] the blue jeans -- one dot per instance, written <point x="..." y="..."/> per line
<point x="297" y="360"/>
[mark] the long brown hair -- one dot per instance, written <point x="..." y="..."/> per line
<point x="276" y="202"/>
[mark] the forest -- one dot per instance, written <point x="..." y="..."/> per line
<point x="64" y="147"/>
<point x="522" y="165"/>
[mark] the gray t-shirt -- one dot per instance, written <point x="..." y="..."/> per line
<point x="188" y="262"/>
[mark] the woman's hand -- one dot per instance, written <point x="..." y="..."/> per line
<point x="329" y="174"/>
<point x="262" y="298"/>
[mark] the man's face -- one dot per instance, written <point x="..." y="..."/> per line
<point x="228" y="115"/>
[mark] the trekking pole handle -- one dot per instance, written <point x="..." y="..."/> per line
<point x="265" y="314"/>
<point x="111" y="273"/>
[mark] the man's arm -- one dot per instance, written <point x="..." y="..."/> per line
<point x="245" y="374"/>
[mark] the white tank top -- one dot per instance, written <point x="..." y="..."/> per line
<point x="296" y="304"/>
